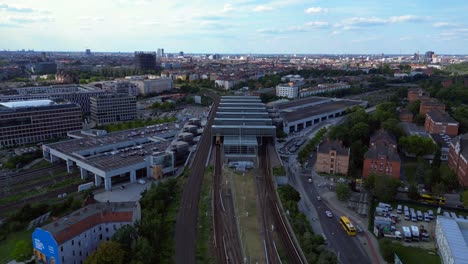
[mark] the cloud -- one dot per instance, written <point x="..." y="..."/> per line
<point x="443" y="25"/>
<point x="406" y="18"/>
<point x="10" y="8"/>
<point x="19" y="20"/>
<point x="262" y="8"/>
<point x="318" y="24"/>
<point x="315" y="10"/>
<point x="228" y="7"/>
<point x="294" y="29"/>
<point x="364" y="39"/>
<point x="359" y="22"/>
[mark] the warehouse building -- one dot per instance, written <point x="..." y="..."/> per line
<point x="27" y="122"/>
<point x="452" y="239"/>
<point x="298" y="114"/>
<point x="118" y="156"/>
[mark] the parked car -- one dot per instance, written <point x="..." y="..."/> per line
<point x="319" y="198"/>
<point x="141" y="181"/>
<point x="329" y="214"/>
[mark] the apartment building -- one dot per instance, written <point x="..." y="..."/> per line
<point x="332" y="158"/>
<point x="72" y="238"/>
<point x="151" y="84"/>
<point x="110" y="108"/>
<point x="26" y="122"/>
<point x="415" y="94"/>
<point x="288" y="90"/>
<point x="440" y="122"/>
<point x="382" y="156"/>
<point x="458" y="158"/>
<point x="427" y="106"/>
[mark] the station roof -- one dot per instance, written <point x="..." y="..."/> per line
<point x="28" y="103"/>
<point x="301" y="102"/>
<point x="240" y="141"/>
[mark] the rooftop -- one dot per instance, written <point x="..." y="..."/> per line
<point x="28" y="103"/>
<point x="118" y="149"/>
<point x="297" y="103"/>
<point x="333" y="145"/>
<point x="456" y="234"/>
<point x="89" y="216"/>
<point x="441" y="116"/>
<point x="310" y="111"/>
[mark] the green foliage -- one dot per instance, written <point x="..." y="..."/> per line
<point x="413" y="107"/>
<point x="449" y="178"/>
<point x="342" y="191"/>
<point x="413" y="193"/>
<point x="439" y="189"/>
<point x="465" y="198"/>
<point x="23" y="250"/>
<point x="305" y="152"/>
<point x="279" y="171"/>
<point x="384" y="187"/>
<point x="418" y="145"/>
<point x="392" y="126"/>
<point x="109" y="252"/>
<point x="461" y="115"/>
<point x="137" y="123"/>
<point x="165" y="106"/>
<point x="312" y="245"/>
<point x="387" y="249"/>
<point x="419" y="119"/>
<point x="281" y="134"/>
<point x="19" y="161"/>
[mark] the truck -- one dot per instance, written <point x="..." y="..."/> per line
<point x="396" y="235"/>
<point x="381" y="211"/>
<point x="407" y="234"/>
<point x="386" y="206"/>
<point x="383" y="222"/>
<point x="415" y="233"/>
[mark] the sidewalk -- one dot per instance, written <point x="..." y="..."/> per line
<point x="368" y="240"/>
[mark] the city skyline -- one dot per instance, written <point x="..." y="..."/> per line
<point x="246" y="26"/>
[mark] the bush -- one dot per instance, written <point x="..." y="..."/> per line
<point x="387" y="249"/>
<point x="342" y="191"/>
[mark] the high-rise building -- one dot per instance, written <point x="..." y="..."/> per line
<point x="72" y="238"/>
<point x="181" y="53"/>
<point x="160" y="53"/>
<point x="428" y="54"/>
<point x="145" y="60"/>
<point x="110" y="108"/>
<point x="26" y="122"/>
<point x="88" y="52"/>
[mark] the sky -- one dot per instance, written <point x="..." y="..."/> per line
<point x="241" y="26"/>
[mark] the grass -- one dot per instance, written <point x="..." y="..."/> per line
<point x="7" y="246"/>
<point x="205" y="220"/>
<point x="245" y="202"/>
<point x="40" y="164"/>
<point x="416" y="255"/>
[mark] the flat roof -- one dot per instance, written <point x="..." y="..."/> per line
<point x="303" y="113"/>
<point x="28" y="103"/>
<point x="240" y="141"/>
<point x="296" y="103"/>
<point x="118" y="149"/>
<point x="456" y="234"/>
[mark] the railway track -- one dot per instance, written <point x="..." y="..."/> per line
<point x="277" y="220"/>
<point x="186" y="221"/>
<point x="21" y="177"/>
<point x="226" y="240"/>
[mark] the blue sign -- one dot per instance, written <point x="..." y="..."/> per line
<point x="45" y="247"/>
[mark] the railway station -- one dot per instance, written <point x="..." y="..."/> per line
<point x="118" y="156"/>
<point x="241" y="125"/>
<point x="299" y="114"/>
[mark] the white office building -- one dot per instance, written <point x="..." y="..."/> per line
<point x="288" y="90"/>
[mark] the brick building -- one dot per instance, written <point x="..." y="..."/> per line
<point x="405" y="115"/>
<point x="458" y="158"/>
<point x="440" y="122"/>
<point x="427" y="106"/>
<point x="415" y="94"/>
<point x="332" y="158"/>
<point x="382" y="156"/>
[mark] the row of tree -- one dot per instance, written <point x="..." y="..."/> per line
<point x="137" y="123"/>
<point x="305" y="152"/>
<point x="312" y="245"/>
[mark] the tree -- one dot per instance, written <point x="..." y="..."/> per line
<point x="360" y="131"/>
<point x="327" y="257"/>
<point x="439" y="189"/>
<point x="288" y="193"/>
<point x="22" y="251"/>
<point x="413" y="107"/>
<point x="125" y="236"/>
<point x="387" y="249"/>
<point x="418" y="145"/>
<point x="413" y="193"/>
<point x="109" y="252"/>
<point x="465" y="198"/>
<point x="450" y="179"/>
<point x="385" y="187"/>
<point x="392" y="126"/>
<point x="342" y="191"/>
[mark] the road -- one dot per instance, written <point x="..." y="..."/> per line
<point x="348" y="249"/>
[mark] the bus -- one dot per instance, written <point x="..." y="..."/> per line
<point x="426" y="198"/>
<point x="348" y="227"/>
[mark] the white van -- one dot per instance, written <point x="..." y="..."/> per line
<point x="386" y="206"/>
<point x="414" y="218"/>
<point x="399" y="209"/>
<point x="407" y="215"/>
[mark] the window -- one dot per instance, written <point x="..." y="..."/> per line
<point x="79" y="243"/>
<point x="107" y="229"/>
<point x="100" y="236"/>
<point x="61" y="248"/>
<point x="73" y="242"/>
